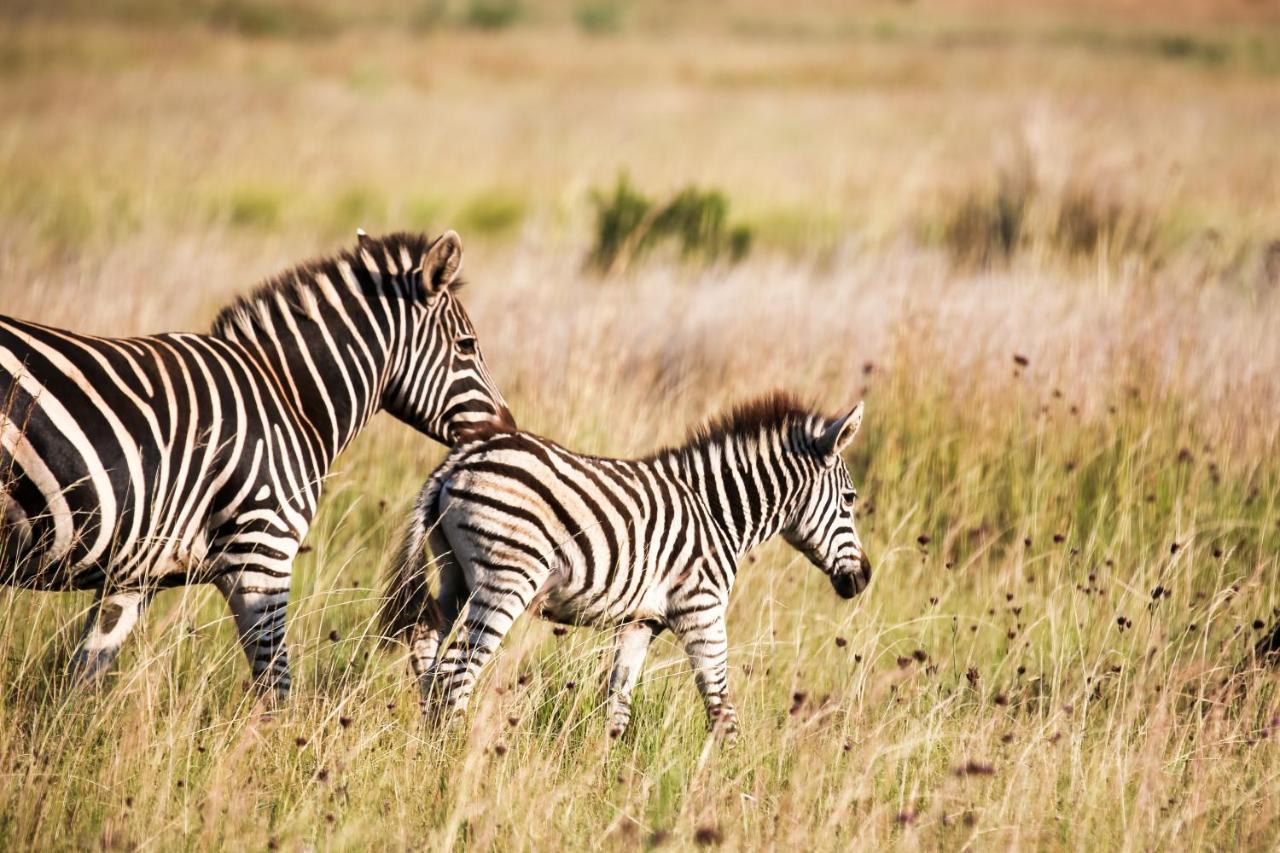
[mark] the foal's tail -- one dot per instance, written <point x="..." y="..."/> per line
<point x="406" y="598"/>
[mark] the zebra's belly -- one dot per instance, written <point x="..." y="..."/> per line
<point x="619" y="604"/>
<point x="44" y="548"/>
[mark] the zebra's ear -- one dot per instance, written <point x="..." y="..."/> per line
<point x="840" y="432"/>
<point x="444" y="259"/>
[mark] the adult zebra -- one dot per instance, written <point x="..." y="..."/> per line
<point x="638" y="545"/>
<point x="131" y="464"/>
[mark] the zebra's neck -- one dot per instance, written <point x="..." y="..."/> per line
<point x="329" y="347"/>
<point x="742" y="483"/>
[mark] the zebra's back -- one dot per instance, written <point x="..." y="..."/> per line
<point x="609" y="530"/>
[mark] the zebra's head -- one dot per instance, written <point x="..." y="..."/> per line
<point x="822" y="527"/>
<point x="439" y="383"/>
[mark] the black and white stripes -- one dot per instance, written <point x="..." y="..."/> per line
<point x="129" y="464"/>
<point x="515" y="521"/>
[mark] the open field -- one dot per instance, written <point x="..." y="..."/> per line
<point x="1044" y="247"/>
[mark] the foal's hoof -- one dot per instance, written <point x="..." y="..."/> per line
<point x="724" y="727"/>
<point x="444" y="718"/>
<point x="269" y="697"/>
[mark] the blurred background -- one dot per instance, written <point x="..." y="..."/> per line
<point x="158" y="157"/>
<point x="979" y="129"/>
<point x="1041" y="239"/>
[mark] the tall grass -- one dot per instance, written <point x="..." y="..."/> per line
<point x="1074" y="518"/>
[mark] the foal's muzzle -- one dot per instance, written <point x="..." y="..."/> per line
<point x="854" y="580"/>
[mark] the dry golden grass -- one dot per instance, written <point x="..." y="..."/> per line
<point x="1011" y="678"/>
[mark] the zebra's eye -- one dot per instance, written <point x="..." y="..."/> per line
<point x="850" y="495"/>
<point x="465" y="345"/>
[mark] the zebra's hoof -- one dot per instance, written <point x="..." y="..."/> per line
<point x="724" y="727"/>
<point x="444" y="718"/>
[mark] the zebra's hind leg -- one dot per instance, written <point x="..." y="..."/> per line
<point x="258" y="600"/>
<point x="109" y="622"/>
<point x="425" y="646"/>
<point x="501" y="594"/>
<point x="632" y="646"/>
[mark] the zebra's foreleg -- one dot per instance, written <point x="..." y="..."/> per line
<point x="705" y="640"/>
<point x="632" y="646"/>
<point x="109" y="622"/>
<point x="500" y="596"/>
<point x="258" y="601"/>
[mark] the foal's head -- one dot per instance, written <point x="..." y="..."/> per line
<point x="822" y="526"/>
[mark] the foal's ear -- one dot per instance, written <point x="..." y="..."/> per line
<point x="440" y="266"/>
<point x="840" y="432"/>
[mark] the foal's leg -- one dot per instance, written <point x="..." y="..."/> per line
<point x="628" y="661"/>
<point x="705" y="640"/>
<point x="426" y="649"/>
<point x="442" y="612"/>
<point x="109" y="622"/>
<point x="502" y="592"/>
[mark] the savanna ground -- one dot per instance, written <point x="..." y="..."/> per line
<point x="1041" y="243"/>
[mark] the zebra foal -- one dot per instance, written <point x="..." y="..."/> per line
<point x="642" y="545"/>
<point x="130" y="464"/>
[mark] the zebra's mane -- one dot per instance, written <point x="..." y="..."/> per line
<point x="297" y="285"/>
<point x="775" y="410"/>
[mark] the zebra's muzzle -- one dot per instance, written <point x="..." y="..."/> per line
<point x="849" y="583"/>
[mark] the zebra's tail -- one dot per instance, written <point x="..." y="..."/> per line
<point x="406" y="596"/>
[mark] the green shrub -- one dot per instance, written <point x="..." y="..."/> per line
<point x="493" y="14"/>
<point x="629" y="225"/>
<point x="598" y="17"/>
<point x="421" y="213"/>
<point x="264" y="18"/>
<point x="254" y="207"/>
<point x="492" y="213"/>
<point x="619" y="217"/>
<point x="357" y="207"/>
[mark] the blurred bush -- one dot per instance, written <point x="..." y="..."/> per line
<point x="254" y="207"/>
<point x="493" y="14"/>
<point x="492" y="213"/>
<point x="261" y="18"/>
<point x="599" y="17"/>
<point x="428" y="15"/>
<point x="1083" y="218"/>
<point x="629" y="225"/>
<point x="1089" y="223"/>
<point x="984" y="227"/>
<point x="356" y="207"/>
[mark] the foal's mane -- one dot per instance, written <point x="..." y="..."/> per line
<point x="774" y="410"/>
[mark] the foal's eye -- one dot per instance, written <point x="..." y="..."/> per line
<point x="465" y="346"/>
<point x="850" y="495"/>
